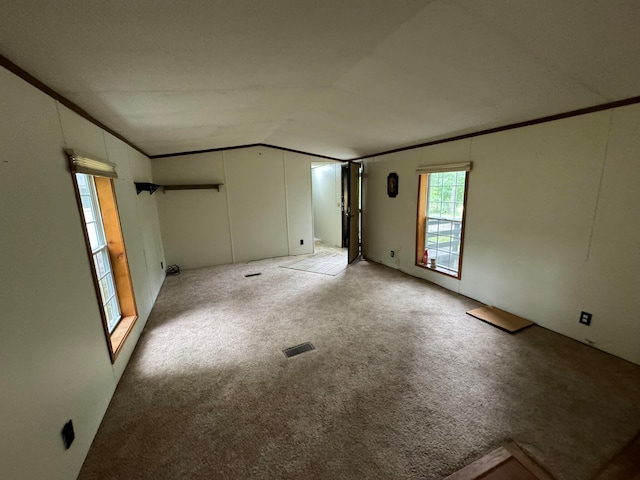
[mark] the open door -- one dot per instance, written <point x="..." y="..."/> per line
<point x="353" y="211"/>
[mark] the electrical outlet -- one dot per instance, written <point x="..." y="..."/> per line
<point x="68" y="435"/>
<point x="392" y="254"/>
<point x="301" y="242"/>
<point x="585" y="318"/>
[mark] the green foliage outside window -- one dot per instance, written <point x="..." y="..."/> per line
<point x="446" y="195"/>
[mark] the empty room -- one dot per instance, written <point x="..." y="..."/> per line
<point x="320" y="239"/>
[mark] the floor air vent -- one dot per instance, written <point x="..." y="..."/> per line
<point x="298" y="349"/>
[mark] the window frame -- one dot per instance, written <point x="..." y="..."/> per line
<point x="99" y="250"/>
<point x="421" y="224"/>
<point x="108" y="209"/>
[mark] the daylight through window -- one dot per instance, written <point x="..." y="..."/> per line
<point x="440" y="235"/>
<point x="99" y="249"/>
<point x="93" y="180"/>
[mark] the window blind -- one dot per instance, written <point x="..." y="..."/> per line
<point x="448" y="167"/>
<point x="79" y="163"/>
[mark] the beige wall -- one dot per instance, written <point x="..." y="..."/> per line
<point x="194" y="223"/>
<point x="263" y="209"/>
<point x="299" y="209"/>
<point x="550" y="227"/>
<point x="53" y="352"/>
<point x="327" y="197"/>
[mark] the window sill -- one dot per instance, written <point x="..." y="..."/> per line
<point x="439" y="270"/>
<point x="120" y="334"/>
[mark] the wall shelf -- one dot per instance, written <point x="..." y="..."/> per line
<point x="152" y="187"/>
<point x="146" y="187"/>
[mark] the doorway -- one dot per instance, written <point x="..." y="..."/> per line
<point x="336" y="207"/>
<point x="351" y="209"/>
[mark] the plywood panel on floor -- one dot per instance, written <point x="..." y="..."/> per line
<point x="511" y="469"/>
<point x="506" y="463"/>
<point x="501" y="319"/>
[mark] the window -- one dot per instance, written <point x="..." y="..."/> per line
<point x="99" y="249"/>
<point x="105" y="247"/>
<point x="441" y="211"/>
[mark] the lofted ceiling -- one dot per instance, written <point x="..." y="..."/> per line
<point x="341" y="78"/>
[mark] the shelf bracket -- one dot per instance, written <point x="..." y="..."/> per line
<point x="146" y="187"/>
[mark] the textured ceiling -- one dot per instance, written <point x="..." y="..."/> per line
<point x="343" y="78"/>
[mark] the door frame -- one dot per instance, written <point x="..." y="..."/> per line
<point x="352" y="210"/>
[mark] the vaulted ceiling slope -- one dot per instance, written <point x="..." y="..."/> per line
<point x="343" y="78"/>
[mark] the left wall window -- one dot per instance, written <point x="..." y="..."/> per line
<point x="99" y="249"/>
<point x="93" y="182"/>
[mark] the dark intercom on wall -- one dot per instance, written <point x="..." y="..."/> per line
<point x="392" y="185"/>
<point x="68" y="435"/>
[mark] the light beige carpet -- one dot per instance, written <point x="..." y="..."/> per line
<point x="402" y="384"/>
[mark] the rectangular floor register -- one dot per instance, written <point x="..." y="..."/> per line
<point x="499" y="318"/>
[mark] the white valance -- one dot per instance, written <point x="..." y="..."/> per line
<point x="90" y="166"/>
<point x="447" y="167"/>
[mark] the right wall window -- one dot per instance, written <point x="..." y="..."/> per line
<point x="441" y="212"/>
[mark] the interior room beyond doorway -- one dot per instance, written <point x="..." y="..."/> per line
<point x="326" y="187"/>
<point x="336" y="205"/>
